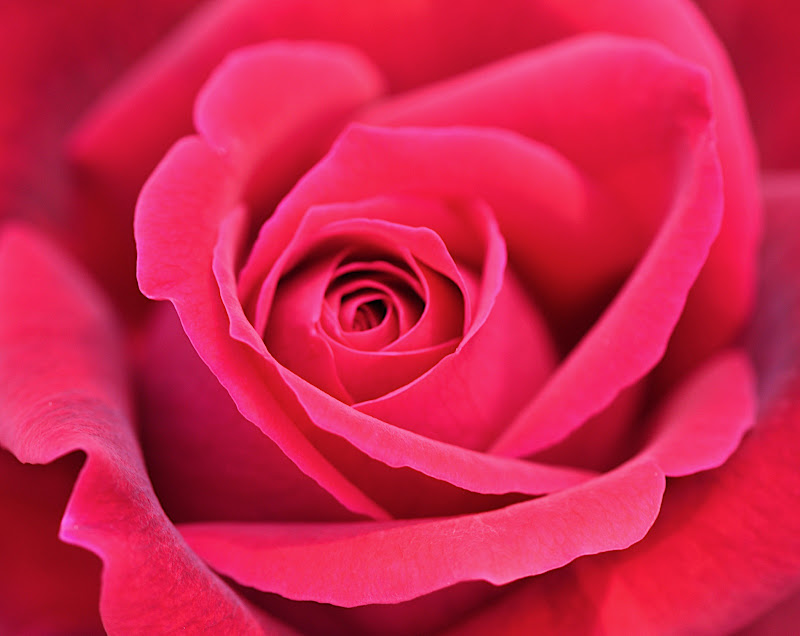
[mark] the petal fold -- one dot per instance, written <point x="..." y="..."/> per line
<point x="361" y="560"/>
<point x="63" y="389"/>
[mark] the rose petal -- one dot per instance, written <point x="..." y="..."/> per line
<point x="267" y="107"/>
<point x="631" y="335"/>
<point x="704" y="419"/>
<point x="607" y="513"/>
<point x="722" y="298"/>
<point x="783" y="618"/>
<point x="650" y="100"/>
<point x="63" y="390"/>
<point x="761" y="41"/>
<point x="469" y="397"/>
<point x="726" y="545"/>
<point x="177" y="221"/>
<point x="391" y="446"/>
<point x="64" y="57"/>
<point x="172" y="75"/>
<point x="47" y="587"/>
<point x="225" y="468"/>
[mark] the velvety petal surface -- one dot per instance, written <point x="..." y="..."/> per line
<point x="607" y="513"/>
<point x="64" y="389"/>
<point x="389" y="445"/>
<point x="176" y="245"/>
<point x="60" y="58"/>
<point x="761" y="39"/>
<point x="650" y="101"/>
<point x="631" y="335"/>
<point x="725" y="546"/>
<point x="48" y="586"/>
<point x="206" y="461"/>
<point x="446" y="45"/>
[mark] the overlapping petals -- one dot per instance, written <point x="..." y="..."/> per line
<point x="391" y="249"/>
<point x="445" y="47"/>
<point x="62" y="389"/>
<point x="716" y="558"/>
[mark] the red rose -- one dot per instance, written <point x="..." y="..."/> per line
<point x="470" y="284"/>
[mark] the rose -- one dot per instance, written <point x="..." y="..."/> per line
<point x="115" y="611"/>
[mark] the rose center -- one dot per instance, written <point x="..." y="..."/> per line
<point x="368" y="315"/>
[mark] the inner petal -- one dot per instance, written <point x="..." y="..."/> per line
<point x="363" y="311"/>
<point x="370" y="304"/>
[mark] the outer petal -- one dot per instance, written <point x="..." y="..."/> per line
<point x="63" y="389"/>
<point x="631" y="335"/>
<point x="58" y="59"/>
<point x="761" y="38"/>
<point x="361" y="561"/>
<point x="784" y="618"/>
<point x="47" y="586"/>
<point x="703" y="420"/>
<point x="721" y="300"/>
<point x="726" y="545"/>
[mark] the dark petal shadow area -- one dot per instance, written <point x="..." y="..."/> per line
<point x="47" y="587"/>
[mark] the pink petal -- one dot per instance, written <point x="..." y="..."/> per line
<point x="471" y="395"/>
<point x="226" y="468"/>
<point x="761" y="41"/>
<point x="397" y="448"/>
<point x="704" y="419"/>
<point x="64" y="390"/>
<point x="722" y="298"/>
<point x="631" y="335"/>
<point x="60" y="58"/>
<point x="396" y="561"/>
<point x="726" y="546"/>
<point x="48" y="586"/>
<point x="270" y="109"/>
<point x="605" y="440"/>
<point x="177" y="221"/>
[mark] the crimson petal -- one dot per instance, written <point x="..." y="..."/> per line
<point x="607" y="513"/>
<point x="64" y="389"/>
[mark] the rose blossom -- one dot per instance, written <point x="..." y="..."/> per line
<point x="444" y="294"/>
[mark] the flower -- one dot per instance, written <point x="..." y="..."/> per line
<point x="466" y="314"/>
